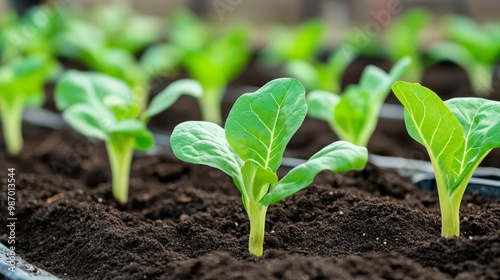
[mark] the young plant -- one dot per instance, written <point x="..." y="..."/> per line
<point x="214" y="66"/>
<point x="21" y="85"/>
<point x="320" y="75"/>
<point x="301" y="43"/>
<point x="125" y="28"/>
<point x="404" y="39"/>
<point x="457" y="134"/>
<point x="474" y="48"/>
<point x="251" y="146"/>
<point x="102" y="107"/>
<point x="120" y="63"/>
<point x="353" y="115"/>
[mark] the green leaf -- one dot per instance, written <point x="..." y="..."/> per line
<point x="480" y="122"/>
<point x="138" y="32"/>
<point x="84" y="119"/>
<point x="321" y="104"/>
<point x="400" y="68"/>
<point x="301" y="43"/>
<point x="303" y="71"/>
<point x="91" y="88"/>
<point x="431" y="123"/>
<point x="335" y="68"/>
<point x="477" y="40"/>
<point x="260" y="124"/>
<point x="258" y="179"/>
<point x="135" y="129"/>
<point x="221" y="60"/>
<point x="352" y="114"/>
<point x="205" y="143"/>
<point x="340" y="156"/>
<point x="170" y="94"/>
<point x="187" y="31"/>
<point x="404" y="39"/>
<point x="160" y="59"/>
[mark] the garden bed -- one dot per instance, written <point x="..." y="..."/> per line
<point x="187" y="222"/>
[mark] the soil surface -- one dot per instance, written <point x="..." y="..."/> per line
<point x="187" y="222"/>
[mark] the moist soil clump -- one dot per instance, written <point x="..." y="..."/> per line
<point x="187" y="222"/>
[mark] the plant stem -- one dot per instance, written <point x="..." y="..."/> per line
<point x="257" y="214"/>
<point x="11" y="115"/>
<point x="210" y="103"/>
<point x="450" y="206"/>
<point x="120" y="151"/>
<point x="481" y="77"/>
<point x="450" y="216"/>
<point x="140" y="95"/>
<point x="415" y="72"/>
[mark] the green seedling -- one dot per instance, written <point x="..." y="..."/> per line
<point x="214" y="66"/>
<point x="474" y="48"/>
<point x="457" y="134"/>
<point x="251" y="145"/>
<point x="353" y="115"/>
<point x="21" y="85"/>
<point x="120" y="63"/>
<point x="187" y="32"/>
<point x="126" y="29"/>
<point x="102" y="107"/>
<point x="298" y="50"/>
<point x="322" y="75"/>
<point x="301" y="43"/>
<point x="404" y="37"/>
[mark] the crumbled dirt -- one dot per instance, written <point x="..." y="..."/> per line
<point x="187" y="222"/>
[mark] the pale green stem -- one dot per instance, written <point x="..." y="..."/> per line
<point x="450" y="214"/>
<point x="120" y="151"/>
<point x="11" y="115"/>
<point x="481" y="77"/>
<point x="210" y="103"/>
<point x="257" y="214"/>
<point x="140" y="95"/>
<point x="415" y="72"/>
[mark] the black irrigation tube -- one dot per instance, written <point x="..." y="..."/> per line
<point x="486" y="180"/>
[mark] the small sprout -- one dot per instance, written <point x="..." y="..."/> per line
<point x="21" y="85"/>
<point x="403" y="39"/>
<point x="125" y="28"/>
<point x="457" y="134"/>
<point x="353" y="115"/>
<point x="250" y="149"/>
<point x="214" y="66"/>
<point x="102" y="107"/>
<point x="322" y="75"/>
<point x="301" y="43"/>
<point x="298" y="50"/>
<point x="474" y="48"/>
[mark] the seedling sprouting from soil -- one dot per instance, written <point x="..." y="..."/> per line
<point x="404" y="39"/>
<point x="21" y="85"/>
<point x="457" y="134"/>
<point x="353" y="115"/>
<point x="474" y="48"/>
<point x="214" y="66"/>
<point x="298" y="51"/>
<point x="102" y="107"/>
<point x="250" y="149"/>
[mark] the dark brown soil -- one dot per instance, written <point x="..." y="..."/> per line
<point x="187" y="222"/>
